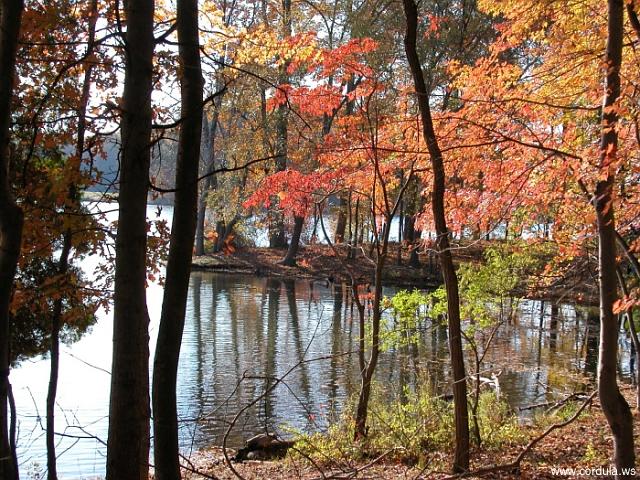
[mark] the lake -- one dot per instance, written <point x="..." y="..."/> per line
<point x="243" y="331"/>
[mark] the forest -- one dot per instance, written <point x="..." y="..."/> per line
<point x="319" y="239"/>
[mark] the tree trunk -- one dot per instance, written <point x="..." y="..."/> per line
<point x="129" y="412"/>
<point x="210" y="182"/>
<point x="367" y="372"/>
<point x="11" y="220"/>
<point x="341" y="223"/>
<point x="202" y="213"/>
<point x="352" y="251"/>
<point x="344" y="203"/>
<point x="174" y="302"/>
<point x="290" y="257"/>
<point x="635" y="341"/>
<point x="54" y="353"/>
<point x="67" y="243"/>
<point x="277" y="237"/>
<point x="614" y="406"/>
<point x="412" y="236"/>
<point x="224" y="230"/>
<point x="461" y="455"/>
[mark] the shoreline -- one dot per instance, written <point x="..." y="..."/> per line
<point x="318" y="262"/>
<point x="584" y="443"/>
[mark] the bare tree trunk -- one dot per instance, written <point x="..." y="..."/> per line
<point x="461" y="455"/>
<point x="129" y="412"/>
<point x="412" y="236"/>
<point x="614" y="406"/>
<point x="400" y="232"/>
<point x="202" y="213"/>
<point x="11" y="219"/>
<point x="344" y="203"/>
<point x="341" y="223"/>
<point x="290" y="257"/>
<point x="224" y="230"/>
<point x="367" y="372"/>
<point x="174" y="302"/>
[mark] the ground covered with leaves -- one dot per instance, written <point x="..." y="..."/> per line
<point x="585" y="443"/>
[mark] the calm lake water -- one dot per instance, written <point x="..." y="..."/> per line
<point x="242" y="332"/>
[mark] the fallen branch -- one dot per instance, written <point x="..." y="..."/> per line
<point x="190" y="467"/>
<point x="356" y="471"/>
<point x="553" y="405"/>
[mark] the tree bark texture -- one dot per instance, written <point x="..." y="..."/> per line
<point x="614" y="406"/>
<point x="174" y="303"/>
<point x="129" y="410"/>
<point x="11" y="219"/>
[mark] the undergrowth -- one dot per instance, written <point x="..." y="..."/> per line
<point x="414" y="427"/>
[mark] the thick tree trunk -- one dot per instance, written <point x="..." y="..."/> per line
<point x="129" y="412"/>
<point x="277" y="237"/>
<point x="341" y="223"/>
<point x="224" y="230"/>
<point x="461" y="455"/>
<point x="290" y="257"/>
<point x="11" y="220"/>
<point x="174" y="303"/>
<point x="412" y="237"/>
<point x="614" y="406"/>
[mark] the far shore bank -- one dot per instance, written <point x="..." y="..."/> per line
<point x="319" y="263"/>
<point x="112" y="197"/>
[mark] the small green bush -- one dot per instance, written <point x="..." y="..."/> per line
<point x="412" y="425"/>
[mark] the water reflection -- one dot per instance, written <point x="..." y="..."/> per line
<point x="260" y="328"/>
<point x="243" y="333"/>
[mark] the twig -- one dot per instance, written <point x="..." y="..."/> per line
<point x="553" y="405"/>
<point x="356" y="471"/>
<point x="515" y="465"/>
<point x="190" y="467"/>
<point x="260" y="397"/>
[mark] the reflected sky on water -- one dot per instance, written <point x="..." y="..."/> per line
<point x="243" y="333"/>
